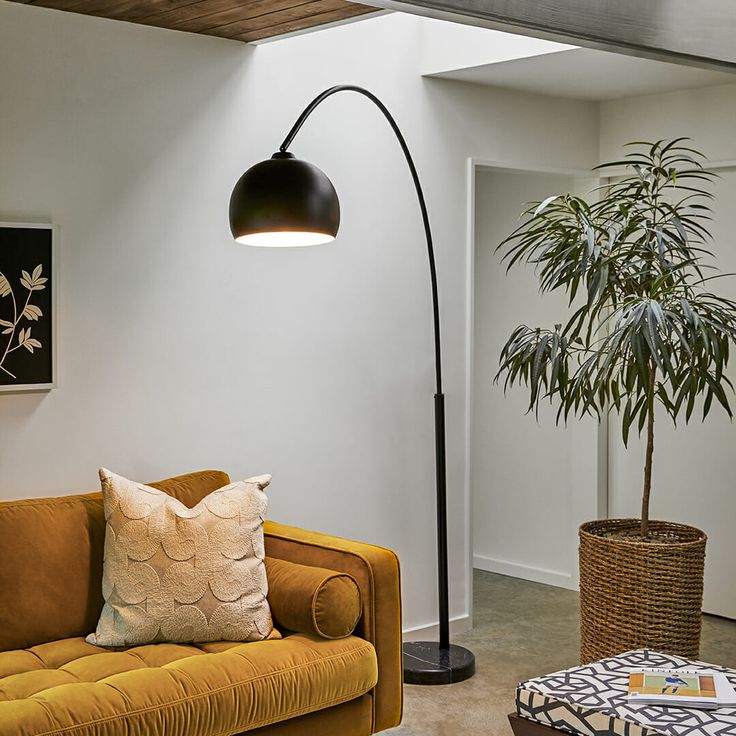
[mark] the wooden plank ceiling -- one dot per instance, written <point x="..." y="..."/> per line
<point x="241" y="20"/>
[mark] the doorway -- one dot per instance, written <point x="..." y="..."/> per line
<point x="532" y="482"/>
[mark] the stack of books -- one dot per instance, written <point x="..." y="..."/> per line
<point x="706" y="689"/>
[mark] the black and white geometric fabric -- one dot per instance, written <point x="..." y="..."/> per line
<point x="590" y="700"/>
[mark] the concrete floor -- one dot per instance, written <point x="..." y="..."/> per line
<point x="520" y="630"/>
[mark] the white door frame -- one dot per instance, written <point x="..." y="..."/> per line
<point x="474" y="165"/>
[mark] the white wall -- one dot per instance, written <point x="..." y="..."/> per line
<point x="707" y="115"/>
<point x="181" y="350"/>
<point x="694" y="466"/>
<point x="533" y="483"/>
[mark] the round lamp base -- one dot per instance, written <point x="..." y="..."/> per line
<point x="426" y="664"/>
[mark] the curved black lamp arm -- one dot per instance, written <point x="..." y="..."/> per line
<point x="308" y="110"/>
<point x="439" y="399"/>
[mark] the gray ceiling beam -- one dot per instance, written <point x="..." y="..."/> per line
<point x="695" y="32"/>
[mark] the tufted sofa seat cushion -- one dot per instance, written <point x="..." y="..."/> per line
<point x="72" y="688"/>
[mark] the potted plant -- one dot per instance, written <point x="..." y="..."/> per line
<point x="644" y="333"/>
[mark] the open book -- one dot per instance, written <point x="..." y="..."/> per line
<point x="705" y="689"/>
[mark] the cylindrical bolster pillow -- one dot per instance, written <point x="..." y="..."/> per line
<point x="313" y="600"/>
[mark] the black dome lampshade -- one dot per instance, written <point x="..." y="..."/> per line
<point x="283" y="202"/>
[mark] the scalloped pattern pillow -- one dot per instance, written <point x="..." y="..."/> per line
<point x="177" y="574"/>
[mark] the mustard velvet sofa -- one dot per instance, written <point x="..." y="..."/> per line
<point x="53" y="683"/>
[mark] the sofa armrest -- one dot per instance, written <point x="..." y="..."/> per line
<point x="376" y="570"/>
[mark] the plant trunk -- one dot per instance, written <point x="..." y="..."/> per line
<point x="650" y="453"/>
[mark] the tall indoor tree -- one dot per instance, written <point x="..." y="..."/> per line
<point x="636" y="263"/>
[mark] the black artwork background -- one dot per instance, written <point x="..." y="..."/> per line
<point x="22" y="249"/>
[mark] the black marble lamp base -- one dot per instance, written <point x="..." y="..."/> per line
<point x="426" y="664"/>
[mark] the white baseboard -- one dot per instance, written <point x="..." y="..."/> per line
<point x="526" y="572"/>
<point x="430" y="632"/>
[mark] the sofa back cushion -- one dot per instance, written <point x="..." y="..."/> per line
<point x="51" y="561"/>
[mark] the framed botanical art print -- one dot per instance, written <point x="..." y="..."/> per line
<point x="27" y="306"/>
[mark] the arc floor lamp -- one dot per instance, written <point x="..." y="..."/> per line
<point x="284" y="201"/>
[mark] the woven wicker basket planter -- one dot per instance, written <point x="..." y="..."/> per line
<point x="640" y="595"/>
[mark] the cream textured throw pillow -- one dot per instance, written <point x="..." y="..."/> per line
<point x="172" y="573"/>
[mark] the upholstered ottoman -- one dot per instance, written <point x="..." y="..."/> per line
<point x="590" y="700"/>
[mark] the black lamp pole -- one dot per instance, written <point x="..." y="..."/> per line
<point x="254" y="212"/>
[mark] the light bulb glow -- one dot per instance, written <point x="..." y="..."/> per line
<point x="285" y="239"/>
